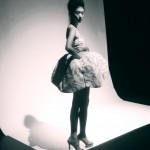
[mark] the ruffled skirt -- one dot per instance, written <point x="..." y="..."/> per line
<point x="71" y="75"/>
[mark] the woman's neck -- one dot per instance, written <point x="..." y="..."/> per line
<point x="74" y="23"/>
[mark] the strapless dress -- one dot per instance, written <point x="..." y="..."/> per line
<point x="71" y="75"/>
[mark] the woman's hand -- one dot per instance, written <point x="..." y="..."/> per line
<point x="79" y="45"/>
<point x="81" y="48"/>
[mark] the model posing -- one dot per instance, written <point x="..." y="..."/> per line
<point x="82" y="69"/>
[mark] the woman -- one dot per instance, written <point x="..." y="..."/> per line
<point x="82" y="69"/>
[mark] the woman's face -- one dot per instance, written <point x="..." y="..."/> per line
<point x="79" y="13"/>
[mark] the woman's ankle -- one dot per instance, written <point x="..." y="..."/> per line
<point x="74" y="134"/>
<point x="81" y="135"/>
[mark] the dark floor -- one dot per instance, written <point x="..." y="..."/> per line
<point x="9" y="143"/>
<point x="138" y="139"/>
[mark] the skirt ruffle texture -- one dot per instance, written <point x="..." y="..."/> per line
<point x="71" y="75"/>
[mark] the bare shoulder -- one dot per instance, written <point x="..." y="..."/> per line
<point x="70" y="30"/>
<point x="71" y="27"/>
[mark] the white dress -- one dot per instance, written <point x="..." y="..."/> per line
<point x="72" y="75"/>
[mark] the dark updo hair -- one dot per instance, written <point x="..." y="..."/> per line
<point x="73" y="5"/>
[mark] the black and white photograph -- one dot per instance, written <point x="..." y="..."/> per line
<point x="74" y="75"/>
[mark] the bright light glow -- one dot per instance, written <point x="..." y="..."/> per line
<point x="30" y="50"/>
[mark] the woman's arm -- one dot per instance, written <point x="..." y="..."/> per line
<point x="70" y="36"/>
<point x="80" y="45"/>
<point x="82" y="48"/>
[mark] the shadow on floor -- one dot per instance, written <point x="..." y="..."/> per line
<point x="45" y="136"/>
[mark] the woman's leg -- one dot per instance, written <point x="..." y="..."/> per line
<point x="74" y="114"/>
<point x="79" y="109"/>
<point x="84" y="101"/>
<point x="83" y="117"/>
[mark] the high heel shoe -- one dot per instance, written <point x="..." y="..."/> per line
<point x="73" y="141"/>
<point x="85" y="141"/>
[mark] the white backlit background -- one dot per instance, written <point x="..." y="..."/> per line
<point x="32" y="110"/>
